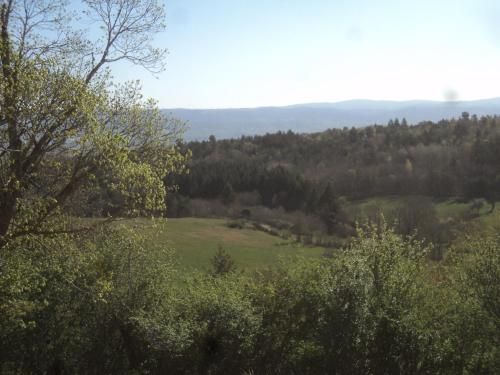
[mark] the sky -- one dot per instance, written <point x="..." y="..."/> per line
<point x="250" y="53"/>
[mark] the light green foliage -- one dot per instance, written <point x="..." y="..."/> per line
<point x="116" y="133"/>
<point x="392" y="285"/>
<point x="224" y="323"/>
<point x="77" y="304"/>
<point x="481" y="275"/>
<point x="65" y="129"/>
<point x="114" y="303"/>
<point x="477" y="275"/>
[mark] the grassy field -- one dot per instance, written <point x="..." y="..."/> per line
<point x="196" y="240"/>
<point x="446" y="209"/>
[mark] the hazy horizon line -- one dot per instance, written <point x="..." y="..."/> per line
<point x="442" y="101"/>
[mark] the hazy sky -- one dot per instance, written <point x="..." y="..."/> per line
<point x="247" y="53"/>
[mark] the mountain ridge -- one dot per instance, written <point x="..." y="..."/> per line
<point x="312" y="117"/>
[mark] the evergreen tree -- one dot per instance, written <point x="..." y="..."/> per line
<point x="222" y="263"/>
<point x="329" y="208"/>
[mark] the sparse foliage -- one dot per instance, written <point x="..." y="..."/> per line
<point x="63" y="123"/>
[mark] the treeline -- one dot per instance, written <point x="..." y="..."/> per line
<point x="112" y="303"/>
<point x="457" y="157"/>
<point x="273" y="187"/>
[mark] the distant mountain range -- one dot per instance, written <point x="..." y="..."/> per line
<point x="314" y="117"/>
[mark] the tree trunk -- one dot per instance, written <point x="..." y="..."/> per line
<point x="7" y="207"/>
<point x="55" y="368"/>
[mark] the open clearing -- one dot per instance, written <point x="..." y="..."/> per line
<point x="196" y="240"/>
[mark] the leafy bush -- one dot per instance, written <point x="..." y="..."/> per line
<point x="114" y="304"/>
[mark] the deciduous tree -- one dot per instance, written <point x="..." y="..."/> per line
<point x="62" y="119"/>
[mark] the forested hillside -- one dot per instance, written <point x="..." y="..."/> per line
<point x="445" y="159"/>
<point x="321" y="174"/>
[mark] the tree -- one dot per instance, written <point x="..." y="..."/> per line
<point x="222" y="263"/>
<point x="228" y="194"/>
<point x="329" y="208"/>
<point x="479" y="272"/>
<point x="62" y="119"/>
<point x="484" y="179"/>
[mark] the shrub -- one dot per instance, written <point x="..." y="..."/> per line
<point x="222" y="263"/>
<point x="113" y="303"/>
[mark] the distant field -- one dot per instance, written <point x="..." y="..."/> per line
<point x="449" y="208"/>
<point x="445" y="210"/>
<point x="196" y="240"/>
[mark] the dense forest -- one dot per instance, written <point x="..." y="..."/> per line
<point x="445" y="159"/>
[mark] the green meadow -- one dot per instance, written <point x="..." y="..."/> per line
<point x="445" y="209"/>
<point x="196" y="240"/>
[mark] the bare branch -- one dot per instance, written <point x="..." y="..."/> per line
<point x="129" y="27"/>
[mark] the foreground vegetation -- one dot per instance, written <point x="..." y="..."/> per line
<point x="116" y="303"/>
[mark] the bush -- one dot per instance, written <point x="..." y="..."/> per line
<point x="72" y="305"/>
<point x="236" y="224"/>
<point x="113" y="303"/>
<point x="222" y="263"/>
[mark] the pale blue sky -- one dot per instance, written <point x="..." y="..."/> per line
<point x="247" y="53"/>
